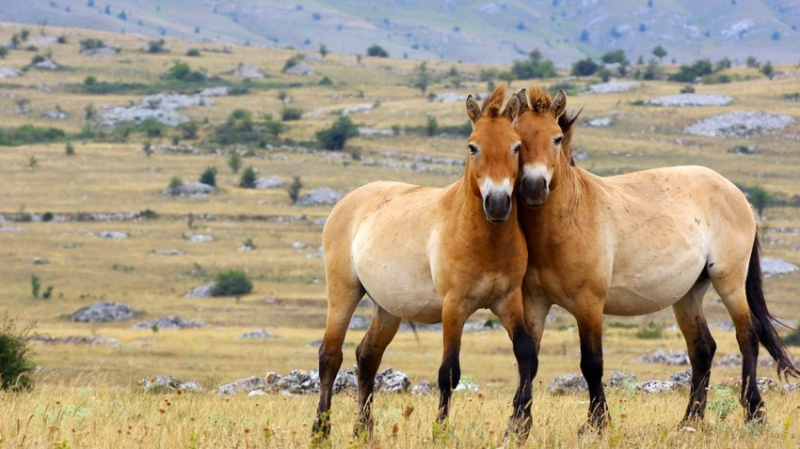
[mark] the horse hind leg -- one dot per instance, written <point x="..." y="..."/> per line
<point x="344" y="293"/>
<point x="382" y="329"/>
<point x="590" y="330"/>
<point x="700" y="344"/>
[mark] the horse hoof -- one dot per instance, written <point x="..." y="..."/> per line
<point x="518" y="429"/>
<point x="758" y="417"/>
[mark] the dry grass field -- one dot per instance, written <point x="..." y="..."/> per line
<point x="87" y="396"/>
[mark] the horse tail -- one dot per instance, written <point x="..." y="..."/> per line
<point x="763" y="319"/>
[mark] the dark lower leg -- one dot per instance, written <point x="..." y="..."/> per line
<point x="369" y="354"/>
<point x="528" y="363"/>
<point x="591" y="334"/>
<point x="330" y="360"/>
<point x="449" y="376"/>
<point x="751" y="397"/>
<point x="701" y="354"/>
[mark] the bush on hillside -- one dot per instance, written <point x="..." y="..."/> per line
<point x="232" y="283"/>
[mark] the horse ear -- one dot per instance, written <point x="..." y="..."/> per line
<point x="522" y="97"/>
<point x="559" y="104"/>
<point x="473" y="109"/>
<point x="511" y="111"/>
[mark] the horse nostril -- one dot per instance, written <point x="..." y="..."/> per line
<point x="508" y="202"/>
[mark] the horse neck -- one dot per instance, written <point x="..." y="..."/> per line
<point x="567" y="199"/>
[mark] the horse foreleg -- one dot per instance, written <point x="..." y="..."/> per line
<point x="511" y="314"/>
<point x="590" y="329"/>
<point x="701" y="347"/>
<point x="454" y="315"/>
<point x="343" y="297"/>
<point x="381" y="331"/>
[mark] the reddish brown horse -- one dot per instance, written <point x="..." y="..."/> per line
<point x="635" y="244"/>
<point x="429" y="255"/>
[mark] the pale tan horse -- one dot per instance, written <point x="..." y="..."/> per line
<point x="429" y="255"/>
<point x="635" y="244"/>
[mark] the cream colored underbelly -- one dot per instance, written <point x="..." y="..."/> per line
<point x="649" y="291"/>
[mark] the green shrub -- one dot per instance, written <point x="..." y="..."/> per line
<point x="793" y="338"/>
<point x="47" y="216"/>
<point x="688" y="73"/>
<point x="37" y="59"/>
<point x="325" y="81"/>
<point x="289" y="114"/>
<point x="91" y="44"/>
<point x="621" y="325"/>
<point x="651" y="331"/>
<point x="14" y="356"/>
<point x="209" y="176"/>
<point x="149" y="214"/>
<point x="189" y="129"/>
<point x="235" y="162"/>
<point x="69" y="149"/>
<point x="335" y="137"/>
<point x="175" y="183"/>
<point x="688" y="89"/>
<point x="61" y="39"/>
<point x="28" y="134"/>
<point x="193" y="52"/>
<point x="232" y="283"/>
<point x="36" y="285"/>
<point x="291" y="62"/>
<point x="158" y="46"/>
<point x="3" y="52"/>
<point x="181" y="71"/>
<point x="431" y="126"/>
<point x="294" y="189"/>
<point x="723" y="402"/>
<point x="534" y="67"/>
<point x="584" y="67"/>
<point x="90" y="80"/>
<point x="376" y="51"/>
<point x="248" y="179"/>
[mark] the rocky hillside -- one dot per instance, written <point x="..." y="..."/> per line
<point x="480" y="31"/>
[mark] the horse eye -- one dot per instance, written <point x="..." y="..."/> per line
<point x="473" y="149"/>
<point x="516" y="148"/>
<point x="558" y="140"/>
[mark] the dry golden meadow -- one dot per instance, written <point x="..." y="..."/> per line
<point x="87" y="396"/>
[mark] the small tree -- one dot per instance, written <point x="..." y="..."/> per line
<point x="760" y="199"/>
<point x="584" y="67"/>
<point x="36" y="285"/>
<point x="156" y="46"/>
<point x="235" y="162"/>
<point x="431" y="126"/>
<point x="248" y="179"/>
<point x="90" y="113"/>
<point x="752" y="62"/>
<point x="148" y="148"/>
<point x="422" y="77"/>
<point x="69" y="149"/>
<point x="659" y="53"/>
<point x="232" y="283"/>
<point x="294" y="189"/>
<point x="189" y="129"/>
<point x="323" y="51"/>
<point x="209" y="176"/>
<point x="14" y="352"/>
<point x="3" y="52"/>
<point x="174" y="184"/>
<point x="768" y="70"/>
<point x="376" y="51"/>
<point x="24" y="35"/>
<point x="335" y="137"/>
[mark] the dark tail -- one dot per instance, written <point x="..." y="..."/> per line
<point x="762" y="319"/>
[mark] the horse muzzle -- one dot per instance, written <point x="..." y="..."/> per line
<point x="533" y="191"/>
<point x="497" y="206"/>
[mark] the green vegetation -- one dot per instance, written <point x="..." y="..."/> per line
<point x="294" y="189"/>
<point x="69" y="149"/>
<point x="584" y="67"/>
<point x="289" y="114"/>
<point x="376" y="51"/>
<point x="760" y="198"/>
<point x="209" y="176"/>
<point x="248" y="179"/>
<point x="36" y="285"/>
<point x="534" y="67"/>
<point x="91" y="44"/>
<point x="422" y="77"/>
<point x="689" y="73"/>
<point x="158" y="46"/>
<point x="235" y="162"/>
<point x="651" y="331"/>
<point x="242" y="128"/>
<point x="232" y="283"/>
<point x="335" y="137"/>
<point x="792" y="338"/>
<point x="15" y="364"/>
<point x="193" y="52"/>
<point x="28" y="134"/>
<point x="181" y="71"/>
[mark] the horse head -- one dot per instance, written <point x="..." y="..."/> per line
<point x="545" y="131"/>
<point x="492" y="164"/>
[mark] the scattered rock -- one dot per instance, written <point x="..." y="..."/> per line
<point x="300" y="69"/>
<point x="316" y="254"/>
<point x="55" y="114"/>
<point x="682" y="378"/>
<point x="359" y="108"/>
<point x="249" y="71"/>
<point x="102" y="51"/>
<point x="245" y="385"/>
<point x="423" y="388"/>
<point x="359" y="322"/>
<point x="657" y="386"/>
<point x="726" y="325"/>
<point x="269" y="183"/>
<point x="168" y="322"/>
<point x="9" y="72"/>
<point x="160" y="107"/>
<point x="256" y="393"/>
<point x="791" y="387"/>
<point x="113" y="235"/>
<point x="320" y="221"/>
<point x="774" y="266"/>
<point x="766" y="384"/>
<point x="190" y="189"/>
<point x="375" y="132"/>
<point x="568" y="383"/>
<point x="613" y="87"/>
<point x="619" y="379"/>
<point x="323" y="196"/>
<point x="199" y="238"/>
<point x="220" y="91"/>
<point x="739" y="124"/>
<point x="168" y="252"/>
<point x="392" y="381"/>
<point x="168" y="383"/>
<point x="258" y="334"/>
<point x="103" y="312"/>
<point x="684" y="100"/>
<point x="46" y="65"/>
<point x="669" y="358"/>
<point x="299" y="245"/>
<point x="204" y="291"/>
<point x="297" y="382"/>
<point x="172" y="101"/>
<point x="76" y="340"/>
<point x="600" y="122"/>
<point x="451" y="97"/>
<point x="39" y="261"/>
<point x="10" y="229"/>
<point x="466" y="386"/>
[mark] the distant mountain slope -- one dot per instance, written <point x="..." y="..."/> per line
<point x="469" y="31"/>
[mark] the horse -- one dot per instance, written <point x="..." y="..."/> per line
<point x="430" y="255"/>
<point x="635" y="244"/>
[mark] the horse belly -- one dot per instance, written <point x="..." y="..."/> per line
<point x="398" y="278"/>
<point x="652" y="289"/>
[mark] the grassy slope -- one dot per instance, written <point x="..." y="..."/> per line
<point x="119" y="178"/>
